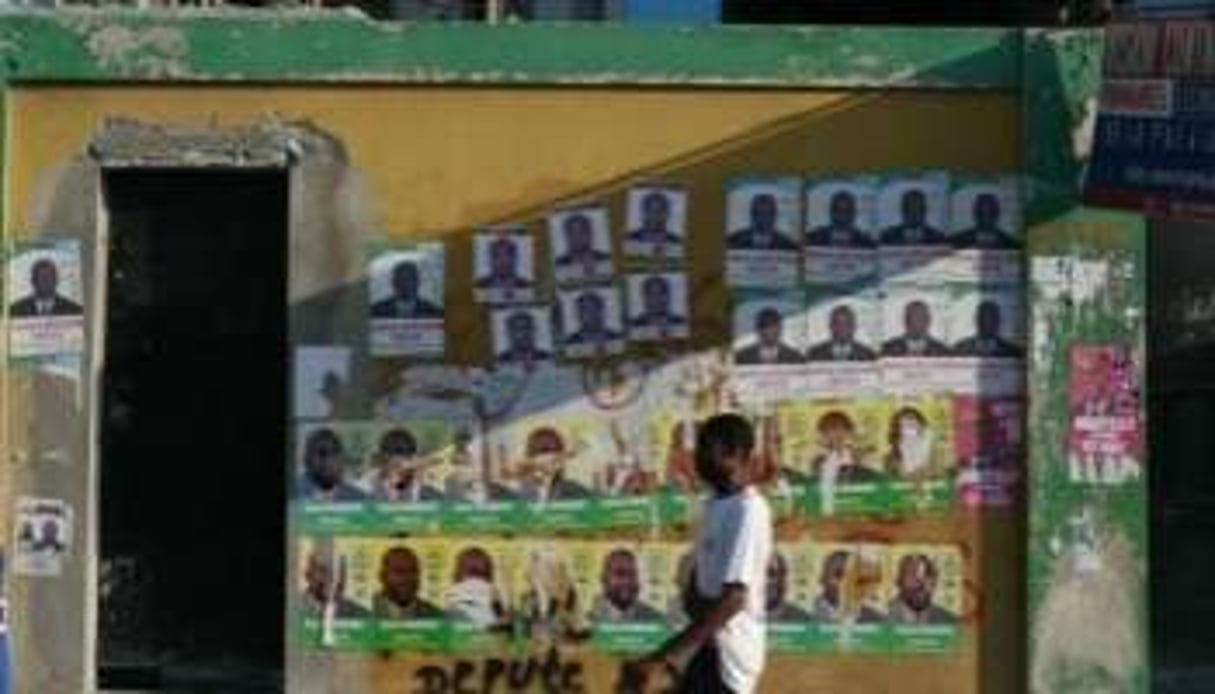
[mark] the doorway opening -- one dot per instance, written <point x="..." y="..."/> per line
<point x="193" y="493"/>
<point x="1181" y="412"/>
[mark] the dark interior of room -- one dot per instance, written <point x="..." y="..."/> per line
<point x="193" y="432"/>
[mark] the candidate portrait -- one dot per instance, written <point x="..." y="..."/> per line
<point x="406" y="301"/>
<point x="914" y="226"/>
<point x="841" y="229"/>
<point x="44" y="298"/>
<point x="763" y="231"/>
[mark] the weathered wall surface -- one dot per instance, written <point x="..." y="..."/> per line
<point x="385" y="162"/>
<point x="1088" y="541"/>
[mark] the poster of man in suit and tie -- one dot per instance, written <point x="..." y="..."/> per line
<point x="986" y="230"/>
<point x="45" y="291"/>
<point x="591" y="322"/>
<point x="658" y="307"/>
<point x="987" y="340"/>
<point x="522" y="335"/>
<point x="580" y="242"/>
<point x="913" y="221"/>
<point x="656" y="223"/>
<point x="844" y="336"/>
<point x="839" y="241"/>
<point x="763" y="222"/>
<point x="504" y="265"/>
<point x="405" y="295"/>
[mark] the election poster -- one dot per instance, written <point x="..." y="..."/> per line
<point x="1105" y="431"/>
<point x="406" y="299"/>
<point x="762" y="225"/>
<point x="45" y="295"/>
<point x="840" y="239"/>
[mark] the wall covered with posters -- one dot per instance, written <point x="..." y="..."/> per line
<point x="537" y="296"/>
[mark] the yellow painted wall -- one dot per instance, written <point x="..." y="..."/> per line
<point x="439" y="160"/>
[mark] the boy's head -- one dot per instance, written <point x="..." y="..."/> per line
<point x="724" y="447"/>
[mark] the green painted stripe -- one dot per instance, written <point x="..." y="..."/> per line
<point x="328" y="46"/>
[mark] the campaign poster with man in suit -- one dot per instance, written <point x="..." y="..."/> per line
<point x="45" y="291"/>
<point x="405" y="300"/>
<point x="763" y="222"/>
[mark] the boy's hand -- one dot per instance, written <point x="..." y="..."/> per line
<point x="634" y="674"/>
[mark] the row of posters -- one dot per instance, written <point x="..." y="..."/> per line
<point x="558" y="450"/>
<point x="480" y="594"/>
<point x="857" y="229"/>
<point x="43" y="295"/>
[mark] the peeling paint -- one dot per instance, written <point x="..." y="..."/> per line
<point x="153" y="52"/>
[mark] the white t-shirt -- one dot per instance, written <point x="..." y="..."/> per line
<point x="733" y="546"/>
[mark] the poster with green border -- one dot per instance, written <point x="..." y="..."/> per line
<point x="468" y="517"/>
<point x="827" y="637"/>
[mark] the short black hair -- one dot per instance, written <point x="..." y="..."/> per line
<point x="732" y="432"/>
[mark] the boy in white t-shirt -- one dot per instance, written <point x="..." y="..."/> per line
<point x="723" y="646"/>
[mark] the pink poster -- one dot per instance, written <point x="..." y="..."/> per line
<point x="989" y="439"/>
<point x="1105" y="427"/>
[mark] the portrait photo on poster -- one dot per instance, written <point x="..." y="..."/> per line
<point x="658" y="306"/>
<point x="919" y="440"/>
<point x="550" y="595"/>
<point x="522" y="335"/>
<point x="504" y="265"/>
<point x="331" y="459"/>
<point x="45" y="292"/>
<point x="915" y="321"/>
<point x="914" y="210"/>
<point x="926" y="589"/>
<point x="592" y="324"/>
<point x="788" y="590"/>
<point x="762" y="226"/>
<point x="769" y="329"/>
<point x="406" y="296"/>
<point x="42" y="536"/>
<point x="404" y="581"/>
<point x="580" y="242"/>
<point x="656" y="222"/>
<point x="850" y="585"/>
<point x="843" y="327"/>
<point x="324" y="585"/>
<point x="841" y="214"/>
<point x="631" y="585"/>
<point x="476" y="588"/>
<point x="321" y="386"/>
<point x="844" y="437"/>
<point x="409" y="460"/>
<point x="986" y="215"/>
<point x="987" y="324"/>
<point x="545" y="460"/>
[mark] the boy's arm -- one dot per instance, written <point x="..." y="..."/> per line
<point x="706" y="624"/>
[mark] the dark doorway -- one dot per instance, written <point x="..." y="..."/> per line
<point x="193" y="430"/>
<point x="1181" y="390"/>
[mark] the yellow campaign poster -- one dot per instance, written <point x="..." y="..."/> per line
<point x="477" y="591"/>
<point x="402" y="579"/>
<point x="630" y="587"/>
<point x="552" y="590"/>
<point x="789" y="593"/>
<point x="918" y="441"/>
<point x="834" y="450"/>
<point x="333" y="606"/>
<point x="924" y="597"/>
<point x="849" y="589"/>
<point x="918" y="452"/>
<point x="670" y="438"/>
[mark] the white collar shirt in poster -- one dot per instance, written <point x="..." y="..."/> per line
<point x="733" y="546"/>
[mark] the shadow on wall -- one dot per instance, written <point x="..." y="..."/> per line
<point x="338" y="309"/>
